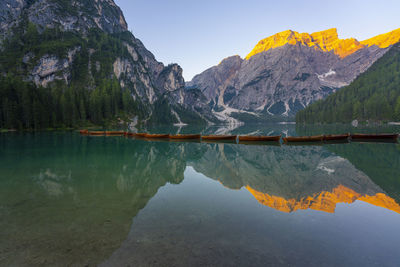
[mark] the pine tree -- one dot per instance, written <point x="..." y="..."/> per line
<point x="397" y="110"/>
<point x="82" y="111"/>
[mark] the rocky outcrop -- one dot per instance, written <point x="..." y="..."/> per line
<point x="171" y="79"/>
<point x="103" y="14"/>
<point x="216" y="80"/>
<point x="51" y="68"/>
<point x="10" y="10"/>
<point x="192" y="100"/>
<point x="67" y="15"/>
<point x="286" y="72"/>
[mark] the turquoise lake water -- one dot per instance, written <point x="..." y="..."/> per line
<point x="71" y="200"/>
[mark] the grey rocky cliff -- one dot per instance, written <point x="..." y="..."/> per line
<point x="51" y="68"/>
<point x="9" y="12"/>
<point x="71" y="15"/>
<point x="193" y="100"/>
<point x="217" y="79"/>
<point x="171" y="79"/>
<point x="282" y="80"/>
<point x="182" y="101"/>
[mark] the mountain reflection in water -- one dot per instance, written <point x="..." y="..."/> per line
<point x="70" y="200"/>
<point x="324" y="201"/>
<point x="292" y="178"/>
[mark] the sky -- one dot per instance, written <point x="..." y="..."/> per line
<point x="199" y="34"/>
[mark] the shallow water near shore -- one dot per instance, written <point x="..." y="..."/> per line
<point x="71" y="200"/>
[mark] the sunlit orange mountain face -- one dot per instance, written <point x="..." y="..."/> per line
<point x="326" y="41"/>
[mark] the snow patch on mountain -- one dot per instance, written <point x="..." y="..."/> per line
<point x="225" y="115"/>
<point x="323" y="76"/>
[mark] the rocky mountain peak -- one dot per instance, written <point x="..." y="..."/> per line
<point x="66" y="15"/>
<point x="214" y="81"/>
<point x="327" y="36"/>
<point x="327" y="40"/>
<point x="171" y="79"/>
<point x="384" y="40"/>
<point x="232" y="60"/>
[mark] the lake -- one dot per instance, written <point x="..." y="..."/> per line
<point x="71" y="200"/>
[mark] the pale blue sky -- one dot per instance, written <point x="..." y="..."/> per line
<point x="199" y="34"/>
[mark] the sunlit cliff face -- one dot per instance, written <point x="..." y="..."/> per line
<point x="384" y="40"/>
<point x="324" y="201"/>
<point x="327" y="41"/>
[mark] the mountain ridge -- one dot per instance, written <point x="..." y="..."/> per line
<point x="326" y="40"/>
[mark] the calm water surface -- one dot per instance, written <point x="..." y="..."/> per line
<point x="70" y="200"/>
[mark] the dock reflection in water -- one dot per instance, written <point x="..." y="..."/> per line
<point x="72" y="200"/>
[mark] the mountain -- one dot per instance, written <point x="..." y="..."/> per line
<point x="373" y="96"/>
<point x="69" y="63"/>
<point x="288" y="71"/>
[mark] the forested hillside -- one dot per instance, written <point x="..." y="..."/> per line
<point x="25" y="105"/>
<point x="373" y="96"/>
<point x="76" y="64"/>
